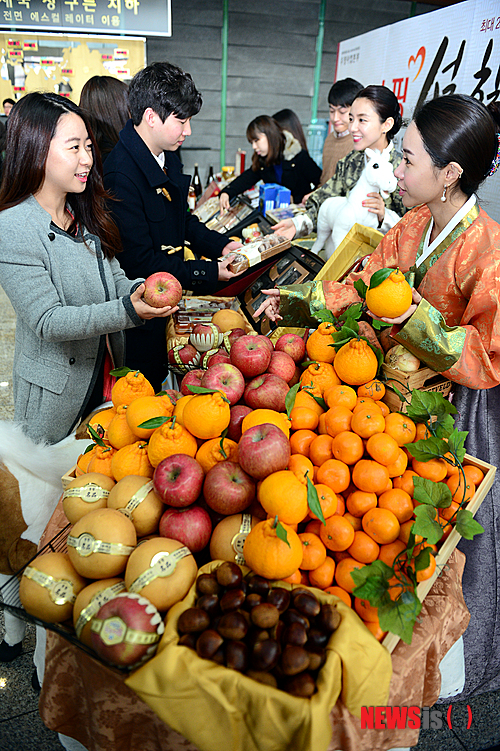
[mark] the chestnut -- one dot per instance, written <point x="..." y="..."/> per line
<point x="280" y="597"/>
<point x="265" y="654"/>
<point x="206" y="584"/>
<point x="252" y="600"/>
<point x="208" y="643"/>
<point x="232" y="599"/>
<point x="237" y="656"/>
<point x="232" y="626"/>
<point x="229" y="575"/>
<point x="258" y="584"/>
<point x="300" y="685"/>
<point x="192" y="620"/>
<point x="293" y="616"/>
<point x="316" y="637"/>
<point x="294" y="660"/>
<point x="210" y="603"/>
<point x="265" y="615"/>
<point x="263" y="677"/>
<point x="307" y="604"/>
<point x="317" y="658"/>
<point x="296" y="634"/>
<point x="188" y="640"/>
<point x="329" y="617"/>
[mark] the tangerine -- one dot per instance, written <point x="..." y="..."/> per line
<point x="337" y="420"/>
<point x="370" y="476"/>
<point x="119" y="432"/>
<point x="207" y="415"/>
<point x="328" y="501"/>
<point x="382" y="525"/>
<point x="367" y="422"/>
<point x="303" y="417"/>
<point x="341" y="593"/>
<point x="170" y="438"/>
<point x="320" y="449"/>
<point x="366" y="611"/>
<point x="322" y="576"/>
<point x="405" y="481"/>
<point x="300" y="464"/>
<point x="375" y="389"/>
<point x="399" y="466"/>
<point x="360" y="501"/>
<point x="304" y="399"/>
<point x="130" y="387"/>
<point x="320" y="344"/>
<point x="319" y="375"/>
<point x="335" y="474"/>
<point x="341" y="396"/>
<point x="399" y="502"/>
<point x="461" y="490"/>
<point x="146" y="408"/>
<point x="473" y="474"/>
<point x="313" y="551"/>
<point x="364" y="548"/>
<point x="337" y="534"/>
<point x="391" y="298"/>
<point x="211" y="452"/>
<point x="343" y="572"/>
<point x="390" y="551"/>
<point x="434" y="469"/>
<point x="356" y="362"/>
<point x="400" y="427"/>
<point x="347" y="447"/>
<point x="300" y="441"/>
<point x="383" y="449"/>
<point x="269" y="556"/>
<point x="282" y="494"/>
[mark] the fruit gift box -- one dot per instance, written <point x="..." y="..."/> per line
<point x="215" y="707"/>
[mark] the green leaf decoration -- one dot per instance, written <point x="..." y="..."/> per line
<point x="399" y="617"/>
<point x="431" y="493"/>
<point x="324" y="315"/>
<point x="89" y="448"/>
<point x="443" y="425"/>
<point x="95" y="436"/>
<point x="306" y="363"/>
<point x="317" y="399"/>
<point x="290" y="398"/>
<point x="361" y="288"/>
<point x="201" y="390"/>
<point x="426" y="524"/>
<point x="427" y="403"/>
<point x="423" y="559"/>
<point x="456" y="443"/>
<point x="372" y="582"/>
<point x="155" y="422"/>
<point x="427" y="448"/>
<point x="466" y="525"/>
<point x="379" y="325"/>
<point x="221" y="443"/>
<point x="120" y="372"/>
<point x="379" y="276"/>
<point x="353" y="311"/>
<point x="313" y="501"/>
<point x="281" y="531"/>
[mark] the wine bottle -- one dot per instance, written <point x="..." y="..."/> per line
<point x="196" y="182"/>
<point x="211" y="176"/>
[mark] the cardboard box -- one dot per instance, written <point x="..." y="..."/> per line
<point x="359" y="242"/>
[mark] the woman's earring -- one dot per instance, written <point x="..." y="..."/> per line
<point x="443" y="197"/>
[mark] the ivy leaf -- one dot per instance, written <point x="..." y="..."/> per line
<point x="221" y="443"/>
<point x="456" y="443"/>
<point x="95" y="436"/>
<point x="89" y="448"/>
<point x="201" y="389"/>
<point x="379" y="325"/>
<point x="155" y="422"/>
<point x="306" y="363"/>
<point x="372" y="582"/>
<point x="379" y="276"/>
<point x="120" y="372"/>
<point x="353" y="311"/>
<point x="466" y="525"/>
<point x="423" y="559"/>
<point x="431" y="493"/>
<point x="281" y="531"/>
<point x="313" y="501"/>
<point x="427" y="403"/>
<point x="324" y="315"/>
<point x="426" y="525"/>
<point x="427" y="448"/>
<point x="317" y="399"/>
<point x="443" y="425"/>
<point x="361" y="288"/>
<point x="399" y="616"/>
<point x="290" y="398"/>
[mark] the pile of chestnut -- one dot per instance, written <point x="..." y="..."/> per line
<point x="272" y="634"/>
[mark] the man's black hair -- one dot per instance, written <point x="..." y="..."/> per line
<point x="343" y="93"/>
<point x="166" y="89"/>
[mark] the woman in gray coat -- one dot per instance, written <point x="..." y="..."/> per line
<point x="58" y="268"/>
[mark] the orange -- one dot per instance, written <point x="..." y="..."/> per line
<point x="365" y="611"/>
<point x="400" y="427"/>
<point x="320" y="449"/>
<point x="426" y="572"/>
<point x="207" y="415"/>
<point x="399" y="502"/>
<point x="374" y="627"/>
<point x="382" y="525"/>
<point x="342" y="594"/>
<point x="347" y="447"/>
<point x="360" y="501"/>
<point x="453" y="468"/>
<point x="302" y="465"/>
<point x="100" y="461"/>
<point x="130" y="387"/>
<point x="322" y="576"/>
<point x="145" y="408"/>
<point x="364" y="549"/>
<point x="119" y="432"/>
<point x="399" y="466"/>
<point x="362" y="402"/>
<point x="327" y="500"/>
<point x="391" y="298"/>
<point x="473" y="474"/>
<point x="405" y="481"/>
<point x="390" y="551"/>
<point x="300" y="441"/>
<point x="319" y="375"/>
<point x="83" y="460"/>
<point x="337" y="420"/>
<point x="132" y="460"/>
<point x="303" y="417"/>
<point x="375" y="389"/>
<point x="370" y="476"/>
<point x="304" y="399"/>
<point x="354" y="521"/>
<point x="335" y="474"/>
<point x="434" y="469"/>
<point x="261" y="416"/>
<point x="404" y="533"/>
<point x="383" y="448"/>
<point x="282" y="494"/>
<point x="210" y="453"/>
<point x="322" y="424"/>
<point x="399" y="584"/>
<point x="367" y="422"/>
<point x="170" y="439"/>
<point x="337" y="534"/>
<point x="422" y="431"/>
<point x="313" y="551"/>
<point x="295" y="578"/>
<point x="341" y="396"/>
<point x="313" y="526"/>
<point x="460" y="491"/>
<point x="383" y="408"/>
<point x="179" y="407"/>
<point x="356" y="362"/>
<point x="343" y="573"/>
<point x="319" y="344"/>
<point x="101" y="421"/>
<point x="269" y="556"/>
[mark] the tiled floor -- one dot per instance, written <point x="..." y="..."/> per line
<point x="21" y="728"/>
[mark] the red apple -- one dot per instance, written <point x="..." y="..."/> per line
<point x="178" y="480"/>
<point x="215" y="357"/>
<point x="192" y="378"/>
<point x="266" y="341"/>
<point x="263" y="449"/>
<point x="119" y="621"/>
<point x="267" y="391"/>
<point x="282" y="365"/>
<point x="192" y="526"/>
<point x="173" y="395"/>
<point x="293" y="345"/>
<point x="205" y="336"/>
<point x="238" y="412"/>
<point x="251" y="355"/>
<point x="227" y="378"/>
<point x="162" y="290"/>
<point x="183" y="357"/>
<point x="231" y="336"/>
<point x="228" y="489"/>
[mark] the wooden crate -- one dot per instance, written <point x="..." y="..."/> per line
<point x="70" y="475"/>
<point x="451" y="542"/>
<point x="424" y="379"/>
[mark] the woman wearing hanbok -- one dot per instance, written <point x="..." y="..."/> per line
<point x="451" y="248"/>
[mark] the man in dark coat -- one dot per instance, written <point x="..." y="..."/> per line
<point x="145" y="176"/>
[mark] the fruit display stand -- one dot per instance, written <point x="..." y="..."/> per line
<point x="424" y="379"/>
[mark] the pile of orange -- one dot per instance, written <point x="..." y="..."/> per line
<point x="353" y="452"/>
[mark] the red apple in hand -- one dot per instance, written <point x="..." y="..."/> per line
<point x="192" y="526"/>
<point x="251" y="355"/>
<point x="114" y="629"/>
<point x="238" y="412"/>
<point x="228" y="489"/>
<point x="162" y="290"/>
<point x="192" y="378"/>
<point x="282" y="366"/>
<point x="267" y="391"/>
<point x="227" y="378"/>
<point x="178" y="480"/>
<point x="263" y="449"/>
<point x="293" y="345"/>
